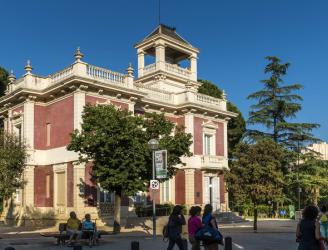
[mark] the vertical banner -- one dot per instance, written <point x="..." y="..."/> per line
<point x="161" y="164"/>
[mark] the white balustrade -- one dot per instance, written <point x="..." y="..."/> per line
<point x="175" y="69"/>
<point x="208" y="100"/>
<point x="61" y="75"/>
<point x="105" y="74"/>
<point x="149" y="68"/>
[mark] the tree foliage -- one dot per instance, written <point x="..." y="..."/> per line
<point x="12" y="163"/>
<point x="116" y="142"/>
<point x="276" y="105"/>
<point x="237" y="125"/>
<point x="255" y="173"/>
<point x="311" y="172"/>
<point x="3" y="80"/>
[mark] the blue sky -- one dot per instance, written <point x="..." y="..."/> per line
<point x="234" y="36"/>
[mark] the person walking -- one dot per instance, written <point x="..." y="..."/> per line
<point x="194" y="223"/>
<point x="176" y="220"/>
<point x="209" y="219"/>
<point x="308" y="229"/>
<point x="323" y="219"/>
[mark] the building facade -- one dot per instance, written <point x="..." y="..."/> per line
<point x="45" y="110"/>
<point x="321" y="148"/>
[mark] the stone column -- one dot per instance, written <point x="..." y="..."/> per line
<point x="79" y="103"/>
<point x="193" y="67"/>
<point x="141" y="63"/>
<point x="78" y="188"/>
<point x="160" y="57"/>
<point x="190" y="186"/>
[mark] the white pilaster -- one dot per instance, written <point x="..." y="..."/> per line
<point x="79" y="103"/>
<point x="190" y="186"/>
<point x="189" y="124"/>
<point x="78" y="189"/>
<point x="29" y="186"/>
<point x="28" y="123"/>
<point x="225" y="137"/>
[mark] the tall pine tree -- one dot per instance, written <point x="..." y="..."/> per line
<point x="276" y="105"/>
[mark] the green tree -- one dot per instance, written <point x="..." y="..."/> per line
<point x="255" y="173"/>
<point x="3" y="80"/>
<point x="310" y="173"/>
<point x="12" y="163"/>
<point x="115" y="142"/>
<point x="237" y="125"/>
<point x="276" y="104"/>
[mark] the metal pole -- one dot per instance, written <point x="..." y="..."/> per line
<point x="154" y="205"/>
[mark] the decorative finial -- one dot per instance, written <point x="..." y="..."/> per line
<point x="224" y="95"/>
<point x="11" y="77"/>
<point x="130" y="70"/>
<point x="28" y="68"/>
<point x="78" y="55"/>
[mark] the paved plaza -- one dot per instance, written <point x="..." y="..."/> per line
<point x="272" y="235"/>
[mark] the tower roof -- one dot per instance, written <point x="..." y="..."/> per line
<point x="168" y="31"/>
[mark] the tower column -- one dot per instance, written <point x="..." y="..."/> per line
<point x="193" y="67"/>
<point x="141" y="63"/>
<point x="160" y="57"/>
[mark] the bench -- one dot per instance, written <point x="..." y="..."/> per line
<point x="62" y="236"/>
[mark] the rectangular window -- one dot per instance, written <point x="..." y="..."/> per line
<point x="61" y="189"/>
<point x="165" y="192"/>
<point x="208" y="144"/>
<point x="48" y="133"/>
<point x="18" y="131"/>
<point x="47" y="186"/>
<point x="105" y="196"/>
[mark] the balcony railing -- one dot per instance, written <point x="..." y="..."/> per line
<point x="61" y="75"/>
<point x="175" y="69"/>
<point x="168" y="67"/>
<point x="214" y="162"/>
<point x="105" y="74"/>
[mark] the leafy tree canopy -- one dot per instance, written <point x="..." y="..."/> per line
<point x="116" y="142"/>
<point x="237" y="125"/>
<point x="12" y="163"/>
<point x="255" y="173"/>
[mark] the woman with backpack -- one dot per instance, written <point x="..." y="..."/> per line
<point x="194" y="224"/>
<point x="308" y="230"/>
<point x="209" y="220"/>
<point x="176" y="220"/>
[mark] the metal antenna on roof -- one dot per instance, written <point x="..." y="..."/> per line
<point x="159" y="12"/>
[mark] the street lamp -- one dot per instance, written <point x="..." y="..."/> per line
<point x="153" y="145"/>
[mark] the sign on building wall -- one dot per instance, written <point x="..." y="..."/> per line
<point x="161" y="164"/>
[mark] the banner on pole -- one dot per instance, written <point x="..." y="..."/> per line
<point x="161" y="164"/>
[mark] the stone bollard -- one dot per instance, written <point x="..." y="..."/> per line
<point x="228" y="243"/>
<point x="135" y="245"/>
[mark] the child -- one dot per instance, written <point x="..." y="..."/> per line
<point x="87" y="223"/>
